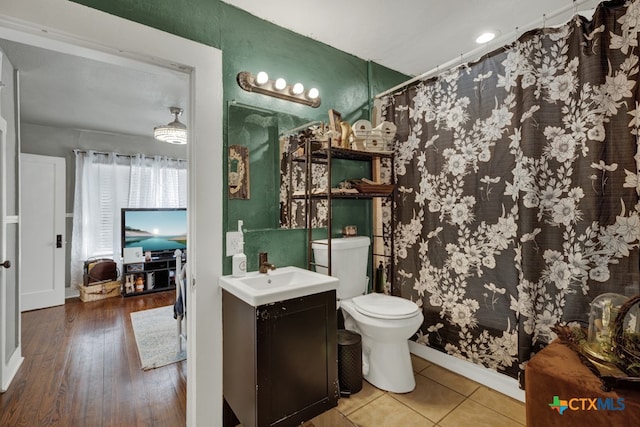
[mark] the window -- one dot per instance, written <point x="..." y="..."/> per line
<point x="108" y="182"/>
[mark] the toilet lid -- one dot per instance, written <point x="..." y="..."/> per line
<point x="385" y="306"/>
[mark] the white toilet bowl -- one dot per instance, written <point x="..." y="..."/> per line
<point x="385" y="323"/>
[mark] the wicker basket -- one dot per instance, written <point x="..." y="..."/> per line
<point x="100" y="290"/>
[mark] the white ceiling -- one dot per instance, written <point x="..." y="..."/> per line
<point x="62" y="90"/>
<point x="410" y="36"/>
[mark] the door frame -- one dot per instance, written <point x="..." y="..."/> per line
<point x="76" y="29"/>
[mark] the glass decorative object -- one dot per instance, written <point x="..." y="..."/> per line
<point x="626" y="339"/>
<point x="604" y="309"/>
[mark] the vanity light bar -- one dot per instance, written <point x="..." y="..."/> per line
<point x="278" y="88"/>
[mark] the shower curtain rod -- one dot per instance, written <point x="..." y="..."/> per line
<point x="501" y="41"/>
<point x="77" y="150"/>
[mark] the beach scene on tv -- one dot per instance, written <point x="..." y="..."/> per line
<point x="155" y="230"/>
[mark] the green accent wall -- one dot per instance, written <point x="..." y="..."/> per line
<point x="346" y="84"/>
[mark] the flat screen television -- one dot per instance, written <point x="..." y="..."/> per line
<point x="159" y="231"/>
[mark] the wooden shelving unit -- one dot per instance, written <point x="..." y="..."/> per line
<point x="326" y="156"/>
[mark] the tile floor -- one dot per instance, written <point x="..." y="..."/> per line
<point x="441" y="398"/>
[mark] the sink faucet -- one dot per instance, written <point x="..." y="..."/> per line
<point x="264" y="264"/>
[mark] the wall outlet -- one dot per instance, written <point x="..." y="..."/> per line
<point x="235" y="242"/>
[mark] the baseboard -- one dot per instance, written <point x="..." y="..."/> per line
<point x="492" y="379"/>
<point x="71" y="293"/>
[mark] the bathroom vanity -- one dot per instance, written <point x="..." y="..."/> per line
<point x="279" y="358"/>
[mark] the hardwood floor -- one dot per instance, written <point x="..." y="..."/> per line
<point x="81" y="368"/>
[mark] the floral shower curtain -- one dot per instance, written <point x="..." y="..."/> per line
<point x="518" y="183"/>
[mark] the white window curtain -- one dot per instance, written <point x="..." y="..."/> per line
<point x="106" y="183"/>
<point x="157" y="182"/>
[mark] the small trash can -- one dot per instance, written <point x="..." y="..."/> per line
<point x="349" y="362"/>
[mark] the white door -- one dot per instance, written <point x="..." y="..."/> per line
<point x="42" y="205"/>
<point x="10" y="345"/>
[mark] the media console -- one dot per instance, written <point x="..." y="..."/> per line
<point x="146" y="277"/>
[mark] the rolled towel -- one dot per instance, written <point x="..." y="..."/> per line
<point x="388" y="130"/>
<point x="361" y="129"/>
<point x="375" y="141"/>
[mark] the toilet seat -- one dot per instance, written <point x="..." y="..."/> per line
<point x="382" y="306"/>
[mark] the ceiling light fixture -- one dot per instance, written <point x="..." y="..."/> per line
<point x="485" y="37"/>
<point x="278" y="88"/>
<point x="174" y="132"/>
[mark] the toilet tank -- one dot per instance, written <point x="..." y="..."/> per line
<point x="349" y="256"/>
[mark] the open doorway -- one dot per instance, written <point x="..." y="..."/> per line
<point x="104" y="114"/>
<point x="71" y="103"/>
<point x="71" y="28"/>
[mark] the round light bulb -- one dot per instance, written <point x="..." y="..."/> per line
<point x="262" y="78"/>
<point x="298" y="88"/>
<point x="313" y="93"/>
<point x="281" y="83"/>
<point x="485" y="37"/>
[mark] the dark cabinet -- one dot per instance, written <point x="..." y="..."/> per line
<point x="146" y="277"/>
<point x="280" y="360"/>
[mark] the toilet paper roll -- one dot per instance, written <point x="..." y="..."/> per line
<point x="361" y="128"/>
<point x="387" y="129"/>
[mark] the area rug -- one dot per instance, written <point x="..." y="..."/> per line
<point x="156" y="335"/>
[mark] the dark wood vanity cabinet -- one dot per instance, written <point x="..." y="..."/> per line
<point x="279" y="360"/>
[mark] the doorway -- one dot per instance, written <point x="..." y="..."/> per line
<point x="71" y="102"/>
<point x="71" y="28"/>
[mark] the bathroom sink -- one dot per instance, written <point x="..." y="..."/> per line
<point x="277" y="285"/>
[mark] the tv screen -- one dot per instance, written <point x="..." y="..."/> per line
<point x="160" y="231"/>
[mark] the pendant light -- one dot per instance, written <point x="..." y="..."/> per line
<point x="174" y="132"/>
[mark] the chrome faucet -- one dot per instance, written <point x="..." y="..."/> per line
<point x="264" y="265"/>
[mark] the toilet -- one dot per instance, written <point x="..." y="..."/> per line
<point x="385" y="322"/>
